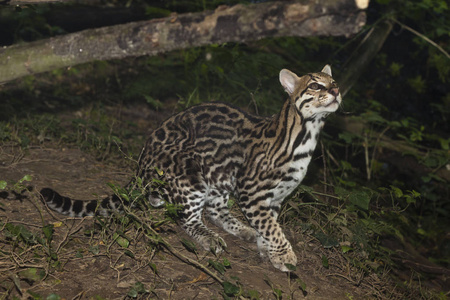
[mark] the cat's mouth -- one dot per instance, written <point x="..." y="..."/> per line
<point x="334" y="101"/>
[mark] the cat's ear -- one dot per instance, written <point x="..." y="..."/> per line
<point x="288" y="80"/>
<point x="327" y="70"/>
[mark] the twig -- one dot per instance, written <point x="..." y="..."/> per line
<point x="324" y="160"/>
<point x="69" y="233"/>
<point x="172" y="250"/>
<point x="343" y="276"/>
<point x="366" y="156"/>
<point x="79" y="295"/>
<point x="422" y="36"/>
<point x="375" y="147"/>
<point x="254" y="103"/>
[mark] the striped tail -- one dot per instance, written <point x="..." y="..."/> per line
<point x="80" y="208"/>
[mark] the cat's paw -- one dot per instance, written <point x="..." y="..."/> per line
<point x="248" y="234"/>
<point x="156" y="201"/>
<point x="280" y="260"/>
<point x="214" y="244"/>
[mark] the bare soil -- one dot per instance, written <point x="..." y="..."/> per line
<point x="109" y="273"/>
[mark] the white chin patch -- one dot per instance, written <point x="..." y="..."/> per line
<point x="331" y="101"/>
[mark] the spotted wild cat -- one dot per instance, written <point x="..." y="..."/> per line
<point x="210" y="151"/>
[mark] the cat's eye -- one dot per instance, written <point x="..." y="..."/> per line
<point x="315" y="86"/>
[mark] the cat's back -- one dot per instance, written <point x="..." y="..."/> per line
<point x="210" y="131"/>
<point x="209" y="121"/>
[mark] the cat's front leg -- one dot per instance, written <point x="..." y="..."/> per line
<point x="271" y="240"/>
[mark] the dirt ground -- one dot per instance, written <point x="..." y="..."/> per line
<point x="110" y="274"/>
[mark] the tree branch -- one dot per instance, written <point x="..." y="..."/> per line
<point x="239" y="23"/>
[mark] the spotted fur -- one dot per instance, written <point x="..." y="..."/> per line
<point x="211" y="151"/>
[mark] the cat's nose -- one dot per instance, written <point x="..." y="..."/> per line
<point x="334" y="91"/>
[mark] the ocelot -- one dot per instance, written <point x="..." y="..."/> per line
<point x="210" y="151"/>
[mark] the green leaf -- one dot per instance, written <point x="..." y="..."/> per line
<point x="421" y="231"/>
<point x="346" y="165"/>
<point x="123" y="242"/>
<point x="230" y="203"/>
<point x="217" y="265"/>
<point x="230" y="289"/>
<point x="157" y="12"/>
<point x="348" y="183"/>
<point x="301" y="284"/>
<point x="226" y="262"/>
<point x="154" y="268"/>
<point x="410" y="199"/>
<point x="34" y="295"/>
<point x="444" y="143"/>
<point x="431" y="162"/>
<point x="291" y="267"/>
<point x="252" y="295"/>
<point x="25" y="178"/>
<point x="132" y="293"/>
<point x="307" y="189"/>
<point x="3" y="184"/>
<point x="94" y="250"/>
<point x="347" y="137"/>
<point x="341" y="192"/>
<point x="129" y="253"/>
<point x="397" y="192"/>
<point x="278" y="293"/>
<point x="154" y="103"/>
<point x="124" y="197"/>
<point x="418" y="84"/>
<point x="116" y="140"/>
<point x="372" y="116"/>
<point x="346" y="249"/>
<point x="48" y="232"/>
<point x="32" y="274"/>
<point x="426" y="178"/>
<point x="325" y="261"/>
<point x="172" y="209"/>
<point x="53" y="297"/>
<point x="189" y="245"/>
<point x="395" y="68"/>
<point x="360" y="199"/>
<point x="137" y="289"/>
<point x="20" y="232"/>
<point x="326" y="241"/>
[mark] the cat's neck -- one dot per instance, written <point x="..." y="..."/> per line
<point x="294" y="133"/>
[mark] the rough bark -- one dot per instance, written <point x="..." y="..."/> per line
<point x="25" y="2"/>
<point x="239" y="23"/>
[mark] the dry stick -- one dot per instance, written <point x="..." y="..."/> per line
<point x="333" y="159"/>
<point x="422" y="36"/>
<point x="24" y="264"/>
<point x="343" y="276"/>
<point x="370" y="161"/>
<point x="366" y="155"/>
<point x="69" y="233"/>
<point x="254" y="103"/>
<point x="79" y="295"/>
<point x="324" y="160"/>
<point x="174" y="251"/>
<point x="22" y="223"/>
<point x="377" y="142"/>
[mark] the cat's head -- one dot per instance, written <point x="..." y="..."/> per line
<point x="313" y="94"/>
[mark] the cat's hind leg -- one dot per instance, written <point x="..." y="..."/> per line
<point x="218" y="212"/>
<point x="192" y="198"/>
